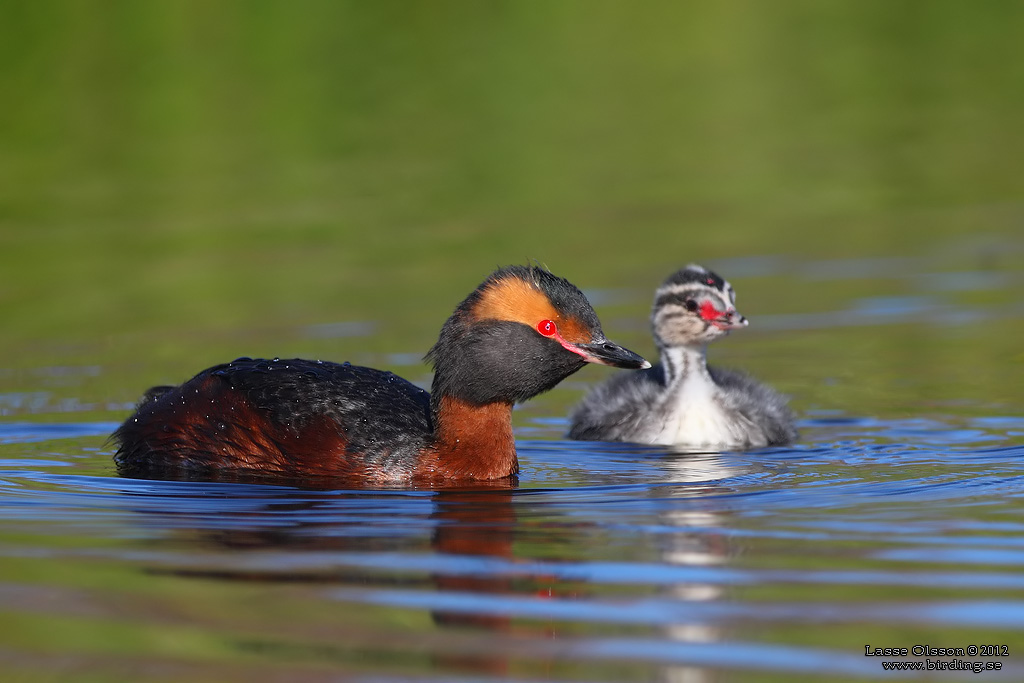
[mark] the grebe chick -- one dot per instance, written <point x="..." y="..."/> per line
<point x="518" y="334"/>
<point x="681" y="400"/>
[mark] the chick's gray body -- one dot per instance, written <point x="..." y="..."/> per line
<point x="682" y="401"/>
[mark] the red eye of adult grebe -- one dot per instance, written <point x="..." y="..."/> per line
<point x="547" y="328"/>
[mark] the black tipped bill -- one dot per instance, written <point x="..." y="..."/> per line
<point x="605" y="352"/>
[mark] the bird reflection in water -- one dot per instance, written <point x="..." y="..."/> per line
<point x="695" y="541"/>
<point x="411" y="550"/>
<point x="314" y="534"/>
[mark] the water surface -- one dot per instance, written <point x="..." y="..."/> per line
<point x="604" y="562"/>
<point x="607" y="562"/>
<point x="185" y="183"/>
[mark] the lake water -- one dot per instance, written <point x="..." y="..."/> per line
<point x="185" y="183"/>
<point x="607" y="562"/>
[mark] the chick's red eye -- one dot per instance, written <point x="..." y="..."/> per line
<point x="547" y="328"/>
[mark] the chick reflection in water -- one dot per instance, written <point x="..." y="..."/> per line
<point x="693" y="514"/>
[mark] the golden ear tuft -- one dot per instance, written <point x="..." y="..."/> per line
<point x="514" y="299"/>
<point x="524" y="302"/>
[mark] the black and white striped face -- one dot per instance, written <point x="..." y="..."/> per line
<point x="694" y="306"/>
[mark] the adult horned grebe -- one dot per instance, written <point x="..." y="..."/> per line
<point x="682" y="401"/>
<point x="518" y="334"/>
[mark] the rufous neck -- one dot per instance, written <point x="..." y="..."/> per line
<point x="471" y="442"/>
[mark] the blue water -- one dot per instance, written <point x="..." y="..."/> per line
<point x="607" y="562"/>
<point x="896" y="521"/>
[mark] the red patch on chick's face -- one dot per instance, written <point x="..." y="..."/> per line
<point x="709" y="312"/>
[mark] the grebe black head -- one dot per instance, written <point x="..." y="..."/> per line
<point x="682" y="401"/>
<point x="519" y="333"/>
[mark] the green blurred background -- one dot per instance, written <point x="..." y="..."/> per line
<point x="183" y="182"/>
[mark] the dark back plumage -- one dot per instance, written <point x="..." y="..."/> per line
<point x="342" y="403"/>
